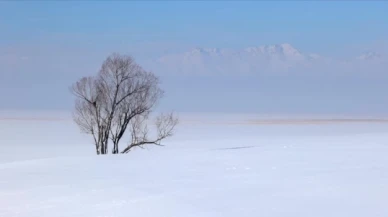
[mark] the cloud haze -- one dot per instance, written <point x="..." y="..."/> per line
<point x="265" y="79"/>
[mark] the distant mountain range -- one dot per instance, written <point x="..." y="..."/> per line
<point x="279" y="58"/>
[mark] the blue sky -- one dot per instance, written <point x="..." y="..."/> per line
<point x="57" y="36"/>
<point x="324" y="24"/>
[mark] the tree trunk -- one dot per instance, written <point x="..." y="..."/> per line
<point x="115" y="149"/>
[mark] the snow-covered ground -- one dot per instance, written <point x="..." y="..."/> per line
<point x="220" y="167"/>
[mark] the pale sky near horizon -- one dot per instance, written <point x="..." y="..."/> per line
<point x="46" y="45"/>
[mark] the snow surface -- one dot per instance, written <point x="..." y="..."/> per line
<point x="209" y="169"/>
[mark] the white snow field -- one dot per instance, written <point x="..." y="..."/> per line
<point x="215" y="166"/>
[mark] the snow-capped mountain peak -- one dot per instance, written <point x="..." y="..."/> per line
<point x="369" y="56"/>
<point x="256" y="59"/>
<point x="277" y="49"/>
<point x="287" y="49"/>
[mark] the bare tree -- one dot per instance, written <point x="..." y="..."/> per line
<point x="120" y="99"/>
